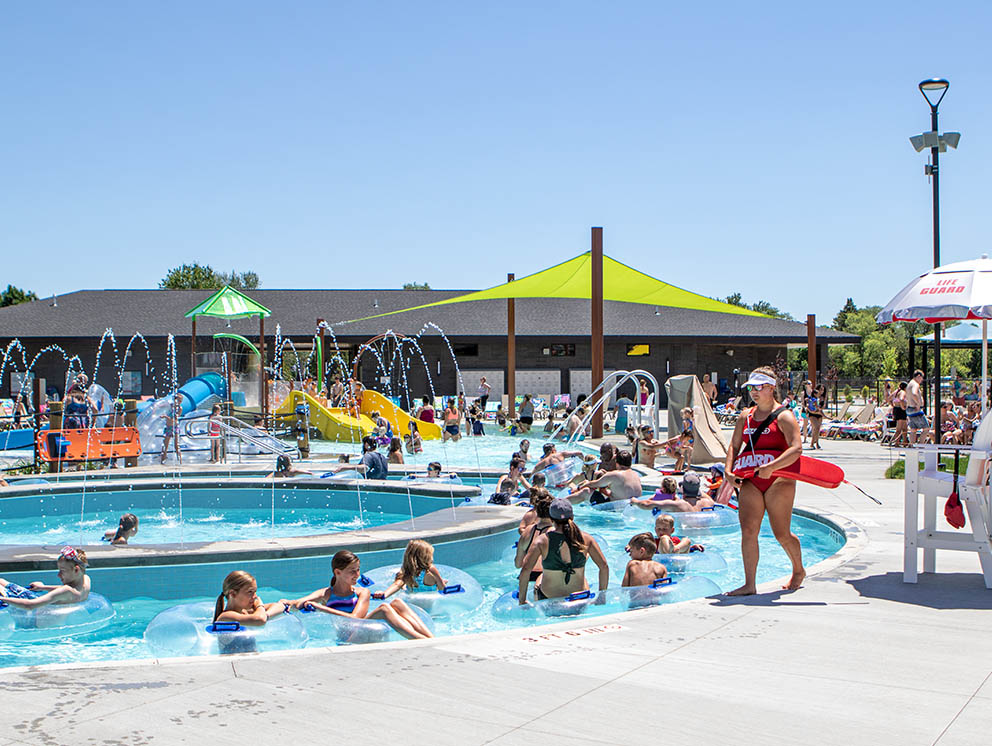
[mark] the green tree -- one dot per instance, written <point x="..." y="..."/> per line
<point x="193" y="276"/>
<point x="416" y="286"/>
<point x="198" y="276"/>
<point x="762" y="306"/>
<point x="12" y="296"/>
<point x="240" y="280"/>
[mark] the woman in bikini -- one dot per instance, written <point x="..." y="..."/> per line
<point x="780" y="438"/>
<point x="540" y="498"/>
<point x="564" y="551"/>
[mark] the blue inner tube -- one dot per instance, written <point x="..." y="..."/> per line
<point x="334" y="629"/>
<point x="717" y="519"/>
<point x="53" y="621"/>
<point x="462" y="592"/>
<point x="693" y="562"/>
<point x="189" y="629"/>
<point x="597" y="603"/>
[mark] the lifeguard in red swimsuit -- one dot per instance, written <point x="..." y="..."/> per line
<point x="780" y="439"/>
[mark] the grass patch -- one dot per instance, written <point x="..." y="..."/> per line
<point x="898" y="468"/>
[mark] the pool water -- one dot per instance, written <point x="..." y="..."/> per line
<point x="492" y="450"/>
<point x="167" y="525"/>
<point x="123" y="638"/>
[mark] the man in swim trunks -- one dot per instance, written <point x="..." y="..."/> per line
<point x="621" y="484"/>
<point x="648" y="447"/>
<point x="709" y="388"/>
<point x="767" y="432"/>
<point x="918" y="423"/>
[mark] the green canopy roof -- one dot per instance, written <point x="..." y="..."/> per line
<point x="237" y="338"/>
<point x="573" y="279"/>
<point x="228" y="303"/>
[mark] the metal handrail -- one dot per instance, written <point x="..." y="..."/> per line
<point x="244" y="433"/>
<point x="603" y="400"/>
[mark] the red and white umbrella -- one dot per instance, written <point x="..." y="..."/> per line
<point x="952" y="292"/>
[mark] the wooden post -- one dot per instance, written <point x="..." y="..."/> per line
<point x="131" y="420"/>
<point x="597" y="328"/>
<point x="811" y="348"/>
<point x="263" y="390"/>
<point x="511" y="353"/>
<point x="192" y="351"/>
<point x="37" y="399"/>
<point x="55" y="423"/>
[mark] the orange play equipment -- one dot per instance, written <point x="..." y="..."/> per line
<point x="88" y="445"/>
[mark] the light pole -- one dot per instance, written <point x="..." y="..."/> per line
<point x="933" y="91"/>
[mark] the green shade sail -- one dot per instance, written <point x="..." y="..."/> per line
<point x="237" y="338"/>
<point x="573" y="279"/>
<point x="228" y="303"/>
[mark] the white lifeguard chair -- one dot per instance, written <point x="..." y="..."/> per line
<point x="935" y="487"/>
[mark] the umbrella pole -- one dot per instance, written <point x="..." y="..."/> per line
<point x="985" y="365"/>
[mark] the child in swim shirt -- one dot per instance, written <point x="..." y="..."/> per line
<point x="75" y="587"/>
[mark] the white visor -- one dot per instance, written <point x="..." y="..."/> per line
<point x="759" y="379"/>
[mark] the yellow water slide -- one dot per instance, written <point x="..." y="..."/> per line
<point x="373" y="401"/>
<point x="333" y="423"/>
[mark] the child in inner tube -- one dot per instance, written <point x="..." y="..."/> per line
<point x="343" y="599"/>
<point x="285" y="469"/>
<point x="666" y="540"/>
<point x="642" y="569"/>
<point x="238" y="602"/>
<point x="75" y="587"/>
<point x="127" y="529"/>
<point x="417" y="573"/>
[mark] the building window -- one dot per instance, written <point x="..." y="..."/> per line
<point x="131" y="382"/>
<point x="638" y="350"/>
<point x="566" y="350"/>
<point x="466" y="350"/>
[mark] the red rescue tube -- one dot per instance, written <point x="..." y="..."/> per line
<point x="804" y="469"/>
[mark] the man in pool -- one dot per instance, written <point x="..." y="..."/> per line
<point x="621" y="484"/>
<point x="553" y="456"/>
<point x="691" y="501"/>
<point x="510" y="483"/>
<point x="374" y="464"/>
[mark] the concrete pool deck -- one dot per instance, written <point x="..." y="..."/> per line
<point x="855" y="656"/>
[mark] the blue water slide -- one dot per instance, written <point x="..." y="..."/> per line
<point x="195" y="390"/>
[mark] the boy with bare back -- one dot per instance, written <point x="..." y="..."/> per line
<point x="642" y="569"/>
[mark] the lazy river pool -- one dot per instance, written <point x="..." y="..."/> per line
<point x="236" y="511"/>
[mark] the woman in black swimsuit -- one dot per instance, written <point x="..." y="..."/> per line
<point x="564" y="551"/>
<point x="540" y="498"/>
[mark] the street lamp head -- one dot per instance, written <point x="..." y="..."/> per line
<point x="933" y="91"/>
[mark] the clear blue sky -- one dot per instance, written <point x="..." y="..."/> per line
<point x="369" y="144"/>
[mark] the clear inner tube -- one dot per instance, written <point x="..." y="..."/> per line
<point x="462" y="592"/>
<point x="611" y="601"/>
<point x="334" y="629"/>
<point x="53" y="621"/>
<point x="189" y="629"/>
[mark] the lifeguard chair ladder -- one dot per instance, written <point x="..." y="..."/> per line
<point x="935" y="487"/>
